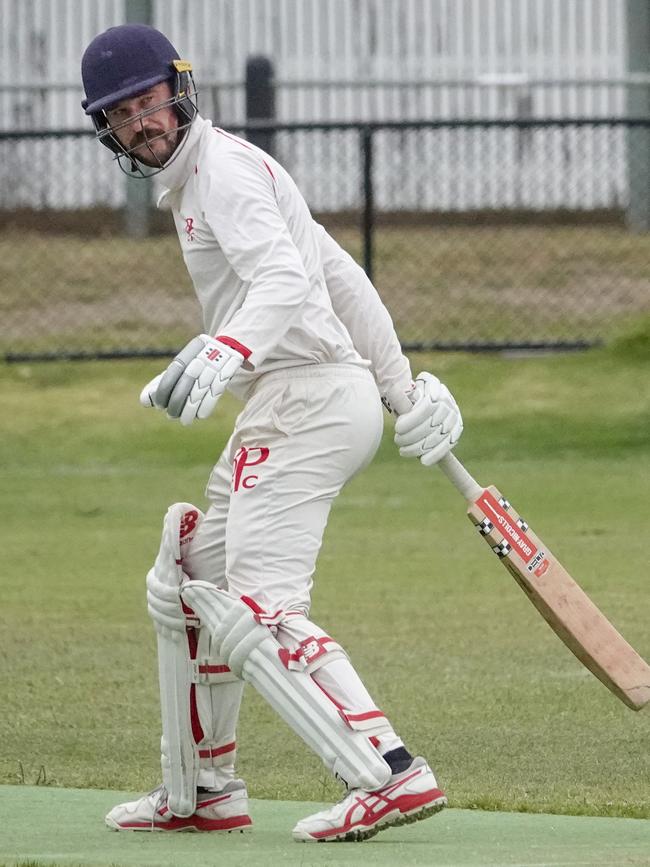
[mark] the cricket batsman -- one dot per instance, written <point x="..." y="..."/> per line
<point x="292" y="327"/>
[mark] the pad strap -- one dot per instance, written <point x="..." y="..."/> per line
<point x="218" y="755"/>
<point x="371" y="723"/>
<point x="208" y="671"/>
<point x="312" y="653"/>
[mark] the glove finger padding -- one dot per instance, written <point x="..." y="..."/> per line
<point x="199" y="389"/>
<point x="209" y="387"/>
<point x="176" y="369"/>
<point x="427" y="393"/>
<point x="180" y="394"/>
<point x="440" y="422"/>
<point x="148" y="392"/>
<point x="432" y="428"/>
<point x="432" y="456"/>
<point x="195" y="379"/>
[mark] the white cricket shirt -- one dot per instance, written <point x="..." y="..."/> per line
<point x="265" y="273"/>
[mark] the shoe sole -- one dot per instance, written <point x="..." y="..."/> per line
<point x="390" y="821"/>
<point x="198" y="828"/>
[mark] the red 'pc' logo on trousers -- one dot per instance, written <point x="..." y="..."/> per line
<point x="247" y="457"/>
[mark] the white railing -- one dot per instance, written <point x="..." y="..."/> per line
<point x="340" y="60"/>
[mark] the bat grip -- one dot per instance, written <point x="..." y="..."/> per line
<point x="459" y="477"/>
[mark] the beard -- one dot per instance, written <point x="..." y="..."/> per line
<point x="153" y="147"/>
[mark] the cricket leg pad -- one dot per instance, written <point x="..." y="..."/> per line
<point x="310" y="648"/>
<point x="252" y="652"/>
<point x="179" y="756"/>
<point x="215" y="699"/>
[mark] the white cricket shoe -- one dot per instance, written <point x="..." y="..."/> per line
<point x="215" y="811"/>
<point x="408" y="796"/>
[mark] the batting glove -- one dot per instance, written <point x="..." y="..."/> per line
<point x="195" y="380"/>
<point x="432" y="427"/>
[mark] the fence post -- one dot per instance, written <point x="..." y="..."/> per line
<point x="367" y="191"/>
<point x="638" y="106"/>
<point x="260" y="100"/>
<point x="137" y="214"/>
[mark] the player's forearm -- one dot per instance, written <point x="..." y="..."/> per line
<point x="358" y="305"/>
<point x="256" y="242"/>
<point x="272" y="303"/>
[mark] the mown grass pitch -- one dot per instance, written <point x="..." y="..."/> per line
<point x="70" y="833"/>
<point x="449" y="646"/>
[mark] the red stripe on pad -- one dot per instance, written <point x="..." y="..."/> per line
<point x="197" y="730"/>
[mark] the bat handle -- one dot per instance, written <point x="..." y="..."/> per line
<point x="459" y="477"/>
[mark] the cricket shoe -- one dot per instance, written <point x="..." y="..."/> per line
<point x="226" y="810"/>
<point x="408" y="796"/>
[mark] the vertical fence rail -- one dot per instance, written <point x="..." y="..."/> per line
<point x="368" y="198"/>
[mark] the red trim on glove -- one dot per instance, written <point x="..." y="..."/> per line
<point x="234" y="344"/>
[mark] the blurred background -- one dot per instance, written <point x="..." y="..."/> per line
<point x="486" y="161"/>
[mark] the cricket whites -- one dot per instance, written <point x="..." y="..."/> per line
<point x="562" y="603"/>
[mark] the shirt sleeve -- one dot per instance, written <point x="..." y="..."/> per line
<point x="357" y="304"/>
<point x="241" y="208"/>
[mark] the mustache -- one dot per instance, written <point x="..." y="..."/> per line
<point x="146" y="137"/>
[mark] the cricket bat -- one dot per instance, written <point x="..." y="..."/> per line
<point x="559" y="599"/>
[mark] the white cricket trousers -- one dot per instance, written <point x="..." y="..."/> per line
<point x="304" y="432"/>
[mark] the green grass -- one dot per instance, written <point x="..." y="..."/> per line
<point x="70" y="832"/>
<point x="446" y="642"/>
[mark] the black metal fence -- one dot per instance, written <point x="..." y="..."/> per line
<point x="478" y="234"/>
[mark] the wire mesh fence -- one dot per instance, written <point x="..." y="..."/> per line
<point x="478" y="234"/>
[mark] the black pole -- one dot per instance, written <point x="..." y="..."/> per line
<point x="139" y="193"/>
<point x="638" y="139"/>
<point x="260" y="100"/>
<point x="368" y="221"/>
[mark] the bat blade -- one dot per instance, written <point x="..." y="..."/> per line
<point x="560" y="600"/>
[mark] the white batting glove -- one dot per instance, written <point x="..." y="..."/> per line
<point x="433" y="425"/>
<point x="148" y="392"/>
<point x="164" y="607"/>
<point x="195" y="380"/>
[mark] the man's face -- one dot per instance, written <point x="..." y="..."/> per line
<point x="150" y="138"/>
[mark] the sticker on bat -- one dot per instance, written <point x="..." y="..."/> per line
<point x="536" y="565"/>
<point x="521" y="544"/>
<point x="541" y="569"/>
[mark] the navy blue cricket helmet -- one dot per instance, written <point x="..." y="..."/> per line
<point x="125" y="61"/>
